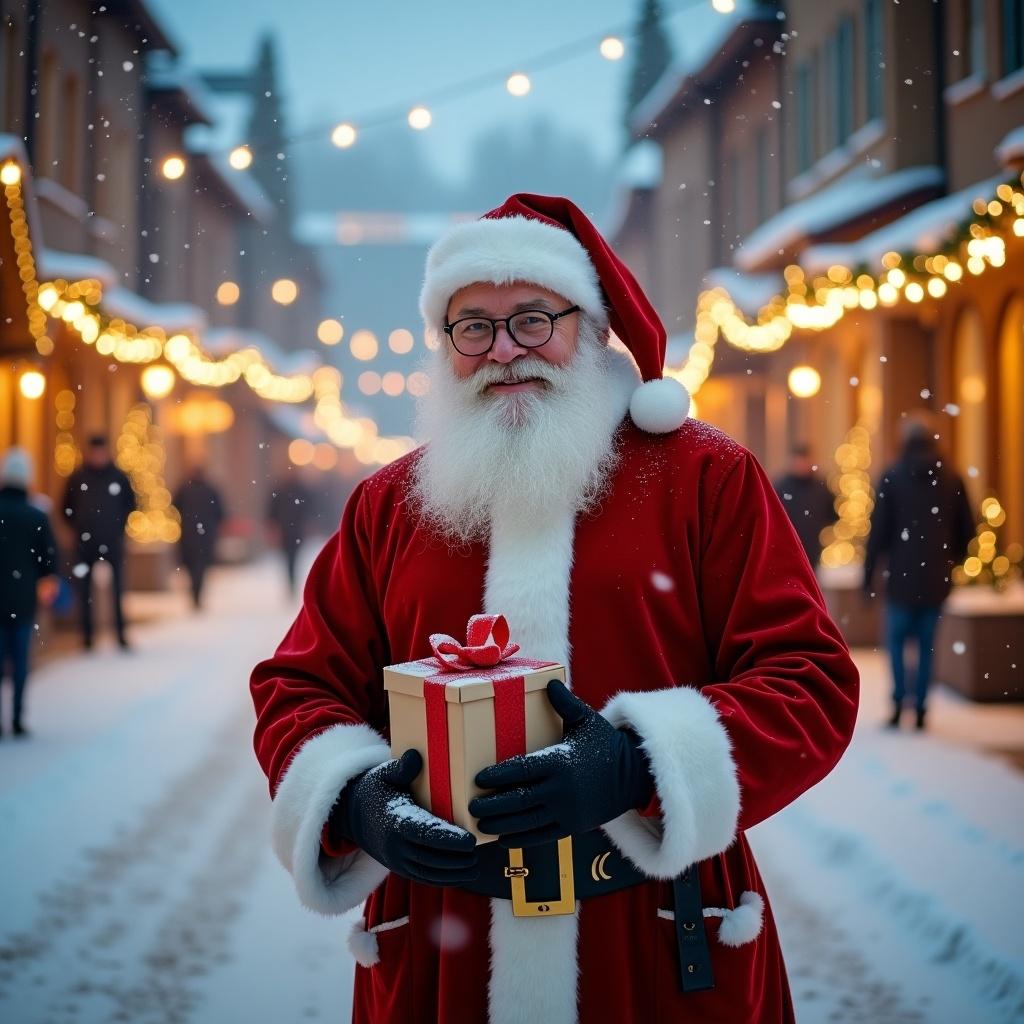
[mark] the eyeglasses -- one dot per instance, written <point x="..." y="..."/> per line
<point x="530" y="328"/>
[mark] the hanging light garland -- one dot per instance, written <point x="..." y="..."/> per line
<point x="140" y="453"/>
<point x="985" y="564"/>
<point x="844" y="540"/>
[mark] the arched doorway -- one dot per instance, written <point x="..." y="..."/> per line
<point x="1010" y="454"/>
<point x="970" y="389"/>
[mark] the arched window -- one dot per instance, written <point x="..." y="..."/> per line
<point x="970" y="386"/>
<point x="1010" y="454"/>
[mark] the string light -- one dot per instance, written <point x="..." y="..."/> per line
<point x="804" y="381"/>
<point x="612" y="48"/>
<point x="420" y="118"/>
<point x="330" y="332"/>
<point x="364" y="346"/>
<point x="66" y="455"/>
<point x="985" y="563"/>
<point x="240" y="158"/>
<point x="140" y="453"/>
<point x="400" y="341"/>
<point x="228" y="293"/>
<point x="284" y="291"/>
<point x="157" y="381"/>
<point x="344" y="135"/>
<point x="173" y="168"/>
<point x="855" y="498"/>
<point x="10" y="173"/>
<point x="32" y="384"/>
<point x="518" y="84"/>
<point x="724" y="6"/>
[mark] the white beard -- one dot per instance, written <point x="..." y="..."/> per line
<point x="519" y="453"/>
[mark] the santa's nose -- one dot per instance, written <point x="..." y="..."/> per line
<point x="505" y="348"/>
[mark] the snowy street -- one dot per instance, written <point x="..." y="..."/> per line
<point x="139" y="883"/>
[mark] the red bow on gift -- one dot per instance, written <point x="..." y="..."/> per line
<point x="486" y="644"/>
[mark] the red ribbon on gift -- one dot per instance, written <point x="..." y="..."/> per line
<point x="487" y="643"/>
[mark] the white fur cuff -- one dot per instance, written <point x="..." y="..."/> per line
<point x="308" y="790"/>
<point x="694" y="774"/>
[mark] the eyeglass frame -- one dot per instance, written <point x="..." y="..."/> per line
<point x="553" y="317"/>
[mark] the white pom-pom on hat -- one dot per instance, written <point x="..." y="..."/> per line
<point x="660" y="406"/>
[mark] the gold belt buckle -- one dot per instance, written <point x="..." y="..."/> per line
<point x="516" y="873"/>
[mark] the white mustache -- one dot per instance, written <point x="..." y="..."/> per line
<point x="515" y="373"/>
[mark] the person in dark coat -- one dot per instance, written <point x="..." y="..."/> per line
<point x="28" y="562"/>
<point x="202" y="511"/>
<point x="97" y="502"/>
<point x="922" y="524"/>
<point x="289" y="513"/>
<point x="807" y="500"/>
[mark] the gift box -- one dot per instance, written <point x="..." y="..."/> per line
<point x="468" y="707"/>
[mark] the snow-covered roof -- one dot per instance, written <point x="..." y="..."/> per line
<point x="165" y="74"/>
<point x="924" y="229"/>
<point x="1011" y="149"/>
<point x="698" y="35"/>
<point x="12" y="148"/>
<point x="750" y="292"/>
<point x="853" y="196"/>
<point x="73" y="266"/>
<point x="246" y="190"/>
<point x="639" y="170"/>
<point x="172" y="316"/>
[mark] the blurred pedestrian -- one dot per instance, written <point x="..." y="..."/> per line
<point x="28" y="561"/>
<point x="202" y="511"/>
<point x="922" y="524"/>
<point x="290" y="513"/>
<point x="97" y="502"/>
<point x="807" y="500"/>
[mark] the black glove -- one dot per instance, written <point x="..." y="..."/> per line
<point x="376" y="812"/>
<point x="595" y="774"/>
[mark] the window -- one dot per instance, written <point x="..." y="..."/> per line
<point x="761" y="184"/>
<point x="976" y="38"/>
<point x="874" y="57"/>
<point x="804" y="116"/>
<point x="842" y="82"/>
<point x="1013" y="36"/>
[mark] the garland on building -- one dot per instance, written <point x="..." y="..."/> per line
<point x="986" y="564"/>
<point x="844" y="540"/>
<point x="140" y="453"/>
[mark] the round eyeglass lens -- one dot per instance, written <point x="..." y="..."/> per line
<point x="531" y="327"/>
<point x="472" y="337"/>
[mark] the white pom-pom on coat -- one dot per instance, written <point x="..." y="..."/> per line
<point x="660" y="406"/>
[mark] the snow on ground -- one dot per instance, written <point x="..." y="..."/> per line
<point x="139" y="885"/>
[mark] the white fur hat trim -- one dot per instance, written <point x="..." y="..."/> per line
<point x="505" y="250"/>
<point x="659" y="406"/>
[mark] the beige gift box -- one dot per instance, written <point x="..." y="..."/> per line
<point x="464" y="720"/>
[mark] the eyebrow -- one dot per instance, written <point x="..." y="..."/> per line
<point x="518" y="308"/>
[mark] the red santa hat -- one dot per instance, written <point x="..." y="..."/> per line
<point x="549" y="241"/>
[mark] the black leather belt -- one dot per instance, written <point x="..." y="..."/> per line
<point x="546" y="880"/>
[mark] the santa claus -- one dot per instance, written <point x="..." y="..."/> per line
<point x="562" y="486"/>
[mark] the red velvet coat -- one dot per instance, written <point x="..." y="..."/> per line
<point x="686" y="594"/>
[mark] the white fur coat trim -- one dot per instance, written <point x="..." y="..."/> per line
<point x="302" y="804"/>
<point x="694" y="774"/>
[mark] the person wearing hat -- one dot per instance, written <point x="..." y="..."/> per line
<point x="97" y="501"/>
<point x="562" y="486"/>
<point x="28" y="562"/>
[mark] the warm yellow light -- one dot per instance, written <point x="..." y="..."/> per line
<point x="330" y="332"/>
<point x="369" y="382"/>
<point x="420" y="118"/>
<point x="392" y="384"/>
<point x="976" y="265"/>
<point x="364" y="345"/>
<point x="914" y="292"/>
<point x="724" y="6"/>
<point x="953" y="271"/>
<point x="518" y="84"/>
<point x="285" y="291"/>
<point x="936" y="287"/>
<point x="972" y="389"/>
<point x="995" y="208"/>
<point x="400" y="341"/>
<point x="325" y="456"/>
<point x="10" y="173"/>
<point x="804" y="381"/>
<point x="47" y="297"/>
<point x="972" y="566"/>
<point x="1018" y="227"/>
<point x="301" y="452"/>
<point x="173" y="168"/>
<point x="228" y="293"/>
<point x="32" y="384"/>
<point x="157" y="381"/>
<point x="887" y="294"/>
<point x="240" y="158"/>
<point x="612" y="48"/>
<point x="344" y="135"/>
<point x="896" y="277"/>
